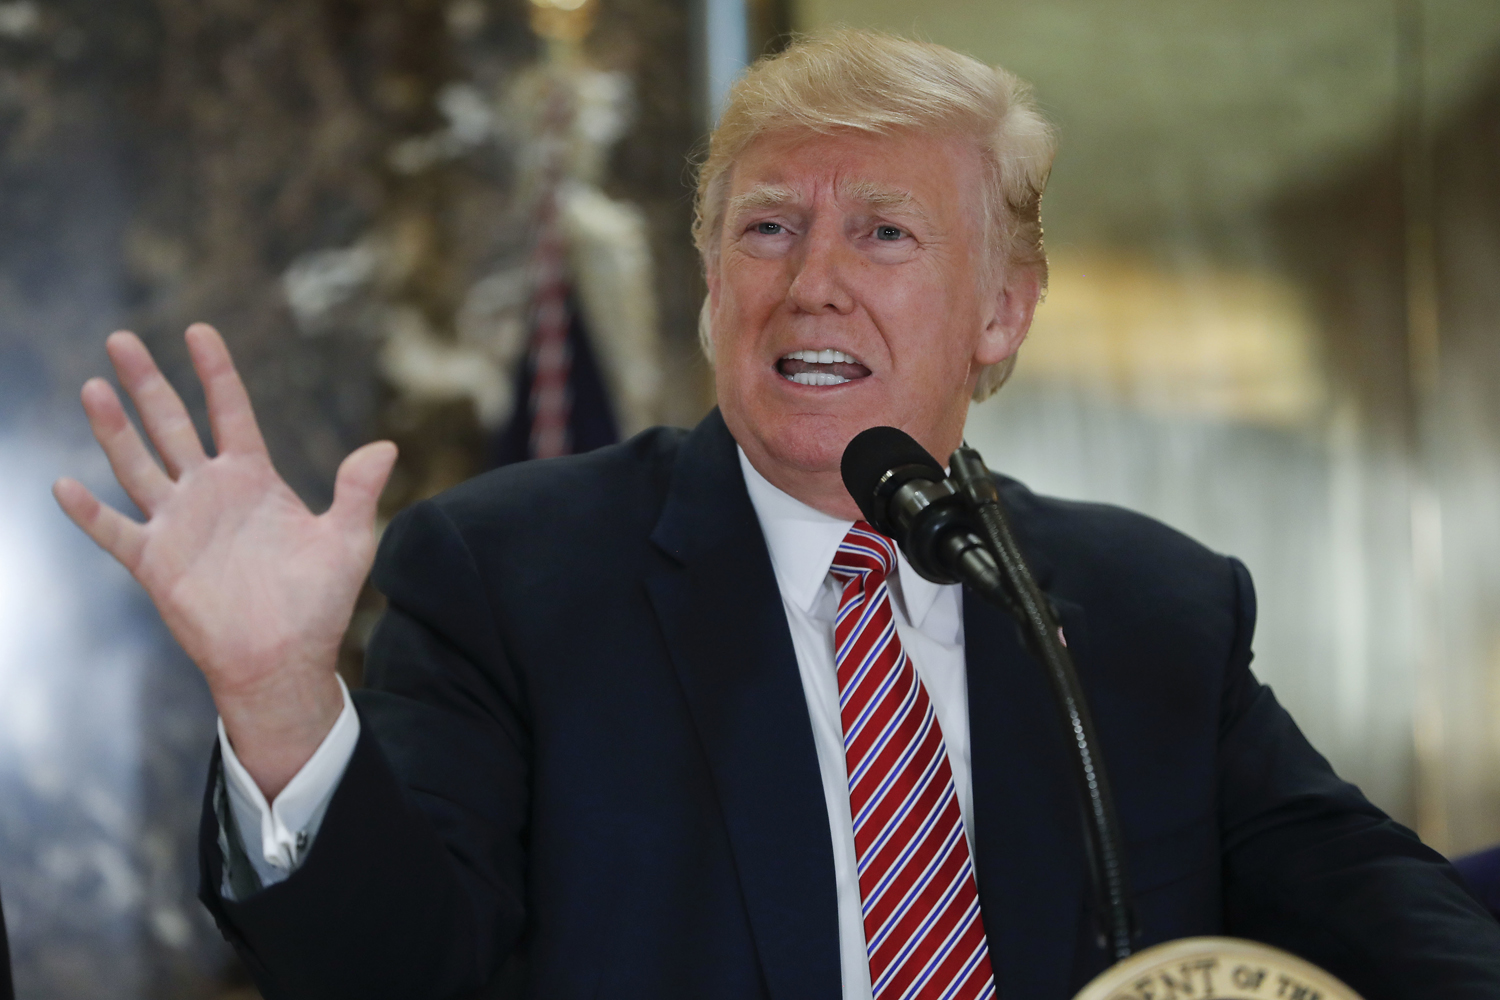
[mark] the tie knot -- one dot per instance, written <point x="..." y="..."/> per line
<point x="864" y="552"/>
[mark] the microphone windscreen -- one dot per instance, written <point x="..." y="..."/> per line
<point x="871" y="455"/>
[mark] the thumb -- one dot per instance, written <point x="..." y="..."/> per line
<point x="361" y="478"/>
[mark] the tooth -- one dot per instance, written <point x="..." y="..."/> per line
<point x="816" y="378"/>
<point x="825" y="357"/>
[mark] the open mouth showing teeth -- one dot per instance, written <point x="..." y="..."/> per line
<point x="825" y="367"/>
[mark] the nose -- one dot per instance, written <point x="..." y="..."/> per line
<point x="823" y="267"/>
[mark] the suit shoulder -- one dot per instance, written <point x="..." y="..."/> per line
<point x="602" y="497"/>
<point x="1085" y="547"/>
<point x="607" y="481"/>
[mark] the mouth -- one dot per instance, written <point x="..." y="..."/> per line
<point x="820" y="368"/>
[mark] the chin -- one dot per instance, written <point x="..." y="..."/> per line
<point x="807" y="429"/>
<point x="811" y="442"/>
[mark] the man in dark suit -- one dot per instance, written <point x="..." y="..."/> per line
<point x="665" y="720"/>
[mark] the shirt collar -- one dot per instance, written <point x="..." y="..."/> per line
<point x="803" y="541"/>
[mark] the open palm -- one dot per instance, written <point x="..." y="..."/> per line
<point x="256" y="588"/>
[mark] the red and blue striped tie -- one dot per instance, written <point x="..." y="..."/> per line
<point x="923" y="930"/>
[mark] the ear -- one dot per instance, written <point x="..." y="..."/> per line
<point x="1014" y="305"/>
<point x="706" y="312"/>
<point x="713" y="279"/>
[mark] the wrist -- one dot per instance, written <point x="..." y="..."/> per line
<point x="277" y="725"/>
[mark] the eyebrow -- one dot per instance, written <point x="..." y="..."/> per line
<point x="868" y="193"/>
<point x="756" y="199"/>
<point x="881" y="199"/>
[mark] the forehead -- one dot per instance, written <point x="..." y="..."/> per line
<point x="935" y="175"/>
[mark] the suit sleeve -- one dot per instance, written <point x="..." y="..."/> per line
<point x="413" y="887"/>
<point x="1312" y="867"/>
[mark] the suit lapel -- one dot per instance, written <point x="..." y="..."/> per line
<point x="1027" y="819"/>
<point x="722" y="617"/>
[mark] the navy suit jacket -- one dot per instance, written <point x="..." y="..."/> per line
<point x="586" y="767"/>
<point x="1481" y="872"/>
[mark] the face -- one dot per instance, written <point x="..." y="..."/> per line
<point x="851" y="290"/>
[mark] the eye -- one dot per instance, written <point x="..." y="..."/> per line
<point x="768" y="228"/>
<point x="888" y="233"/>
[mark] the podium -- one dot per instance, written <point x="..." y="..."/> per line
<point x="1214" y="968"/>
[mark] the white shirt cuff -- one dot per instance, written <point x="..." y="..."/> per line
<point x="288" y="825"/>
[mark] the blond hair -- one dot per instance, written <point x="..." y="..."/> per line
<point x="870" y="81"/>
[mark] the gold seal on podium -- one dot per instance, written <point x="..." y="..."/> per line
<point x="1215" y="968"/>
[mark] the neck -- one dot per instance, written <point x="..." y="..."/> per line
<point x="821" y="488"/>
<point x="823" y="491"/>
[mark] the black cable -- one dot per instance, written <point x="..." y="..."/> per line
<point x="1026" y="602"/>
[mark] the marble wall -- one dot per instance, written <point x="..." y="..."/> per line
<point x="163" y="161"/>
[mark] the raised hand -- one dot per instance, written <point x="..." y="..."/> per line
<point x="256" y="588"/>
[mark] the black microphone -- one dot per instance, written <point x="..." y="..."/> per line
<point x="938" y="522"/>
<point x="904" y="494"/>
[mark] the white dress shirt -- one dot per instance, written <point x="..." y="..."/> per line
<point x="802" y="542"/>
<point x="287" y="826"/>
<point x="930" y="624"/>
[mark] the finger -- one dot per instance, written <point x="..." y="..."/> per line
<point x="229" y="410"/>
<point x="111" y="531"/>
<point x="165" y="418"/>
<point x="134" y="467"/>
<point x="362" y="476"/>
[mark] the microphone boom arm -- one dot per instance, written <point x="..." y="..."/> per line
<point x="1019" y="594"/>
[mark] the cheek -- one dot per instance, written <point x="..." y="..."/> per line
<point x="734" y="336"/>
<point x="745" y="303"/>
<point x="933" y="333"/>
<point x="942" y="362"/>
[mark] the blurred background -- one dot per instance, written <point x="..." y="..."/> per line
<point x="1274" y="323"/>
